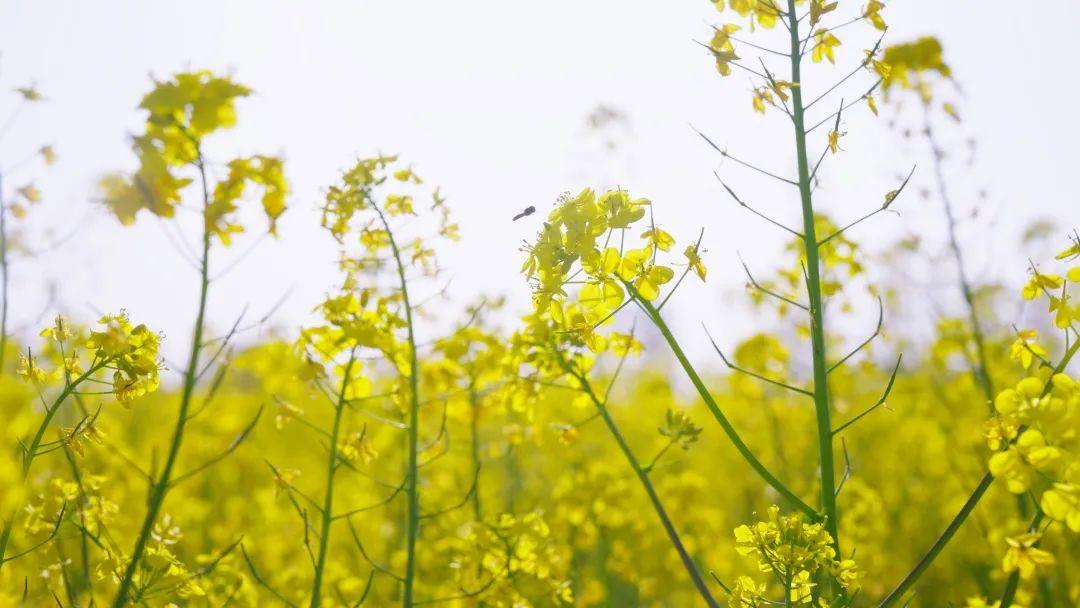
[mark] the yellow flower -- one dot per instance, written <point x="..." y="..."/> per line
<point x="1018" y="464"/>
<point x="1038" y="283"/>
<point x="872" y="13"/>
<point x="1066" y="313"/>
<point x="29" y="93"/>
<point x="620" y="210"/>
<point x="1024" y="349"/>
<point x="818" y="8"/>
<point x="48" y="154"/>
<point x="824" y="45"/>
<point x="59" y="331"/>
<point x="30" y="371"/>
<point x="692" y="258"/>
<point x="1023" y="556"/>
<point x="722" y="48"/>
<point x="30" y="193"/>
<point x="871" y="104"/>
<point x="1062" y="503"/>
<point x="648" y="283"/>
<point x="950" y="109"/>
<point x="802" y="588"/>
<point x="834" y="143"/>
<point x="1070" y="252"/>
<point x="659" y="239"/>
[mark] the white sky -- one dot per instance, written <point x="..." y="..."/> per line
<point x="488" y="99"/>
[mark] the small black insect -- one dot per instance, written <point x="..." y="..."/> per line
<point x="528" y="211"/>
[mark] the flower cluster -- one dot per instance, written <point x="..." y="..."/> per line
<point x="585" y="242"/>
<point x="799" y="554"/>
<point x="130" y="351"/>
<point x="181" y="113"/>
<point x="1036" y="449"/>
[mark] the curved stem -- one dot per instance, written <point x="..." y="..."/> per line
<point x="643" y="477"/>
<point x="35" y="443"/>
<point x="979" y="368"/>
<point x="50" y="412"/>
<point x="984" y="484"/>
<point x="161" y="486"/>
<point x="710" y="403"/>
<point x="411" y="488"/>
<point x="328" y="499"/>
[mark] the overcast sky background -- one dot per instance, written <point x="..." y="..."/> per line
<point x="489" y="99"/>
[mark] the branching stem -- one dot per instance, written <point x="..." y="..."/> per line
<point x="813" y="287"/>
<point x="643" y="477"/>
<point x="161" y="486"/>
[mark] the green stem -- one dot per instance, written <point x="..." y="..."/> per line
<point x="958" y="521"/>
<point x="411" y="488"/>
<point x="813" y="287"/>
<point x="50" y="413"/>
<point x="84" y="544"/>
<point x="161" y="486"/>
<point x="328" y="500"/>
<point x="35" y="443"/>
<point x="643" y="477"/>
<point x="710" y="403"/>
<point x="474" y="448"/>
<point x="980" y="369"/>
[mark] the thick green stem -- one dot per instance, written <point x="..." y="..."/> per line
<point x="958" y="521"/>
<point x="411" y="487"/>
<point x="161" y="486"/>
<point x="643" y="477"/>
<point x="328" y="499"/>
<point x="714" y="409"/>
<point x="813" y="287"/>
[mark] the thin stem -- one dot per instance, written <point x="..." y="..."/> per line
<point x="32" y="450"/>
<point x="474" y="448"/>
<point x="643" y="477"/>
<point x="411" y="488"/>
<point x="889" y="200"/>
<point x="880" y="402"/>
<point x="755" y="211"/>
<point x="328" y="500"/>
<point x="752" y="374"/>
<point x="714" y="409"/>
<point x="980" y="369"/>
<point x="958" y="520"/>
<point x="725" y="154"/>
<point x="813" y="286"/>
<point x="160" y="487"/>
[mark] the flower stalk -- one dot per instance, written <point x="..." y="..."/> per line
<point x="161" y="486"/>
<point x="813" y="286"/>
